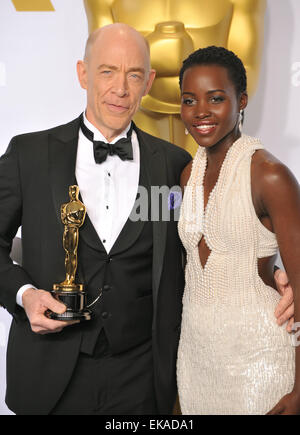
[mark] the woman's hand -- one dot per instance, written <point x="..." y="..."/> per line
<point x="288" y="405"/>
<point x="285" y="309"/>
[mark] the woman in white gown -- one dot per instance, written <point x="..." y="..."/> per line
<point x="240" y="204"/>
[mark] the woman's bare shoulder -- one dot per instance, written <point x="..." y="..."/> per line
<point x="271" y="173"/>
<point x="185" y="175"/>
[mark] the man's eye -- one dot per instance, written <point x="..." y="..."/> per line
<point x="135" y="76"/>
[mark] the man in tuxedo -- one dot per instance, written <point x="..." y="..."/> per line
<point x="123" y="360"/>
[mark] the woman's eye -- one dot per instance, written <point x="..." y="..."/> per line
<point x="188" y="101"/>
<point x="217" y="99"/>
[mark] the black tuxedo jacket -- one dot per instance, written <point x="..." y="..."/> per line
<point x="35" y="174"/>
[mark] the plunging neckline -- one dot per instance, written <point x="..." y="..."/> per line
<point x="196" y="216"/>
<point x="205" y="207"/>
<point x="220" y="176"/>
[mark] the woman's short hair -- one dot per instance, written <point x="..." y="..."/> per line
<point x="218" y="56"/>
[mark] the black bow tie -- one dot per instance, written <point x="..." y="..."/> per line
<point x="122" y="148"/>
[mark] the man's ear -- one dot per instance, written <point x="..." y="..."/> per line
<point x="82" y="73"/>
<point x="150" y="81"/>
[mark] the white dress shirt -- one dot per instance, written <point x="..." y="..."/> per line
<point x="108" y="189"/>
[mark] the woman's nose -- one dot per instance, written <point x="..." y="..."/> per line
<point x="202" y="109"/>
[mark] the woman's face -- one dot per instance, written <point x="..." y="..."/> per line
<point x="210" y="106"/>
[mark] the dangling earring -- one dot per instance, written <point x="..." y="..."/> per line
<point x="241" y="119"/>
<point x="186" y="131"/>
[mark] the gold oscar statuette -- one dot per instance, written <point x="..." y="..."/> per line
<point x="68" y="291"/>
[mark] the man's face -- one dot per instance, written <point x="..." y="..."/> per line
<point x="116" y="76"/>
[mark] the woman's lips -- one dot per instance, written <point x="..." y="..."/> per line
<point x="205" y="129"/>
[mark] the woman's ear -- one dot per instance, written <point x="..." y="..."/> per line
<point x="243" y="100"/>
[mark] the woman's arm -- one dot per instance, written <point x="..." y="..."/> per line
<point x="285" y="309"/>
<point x="185" y="175"/>
<point x="278" y="193"/>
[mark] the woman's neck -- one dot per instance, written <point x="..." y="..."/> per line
<point x="217" y="153"/>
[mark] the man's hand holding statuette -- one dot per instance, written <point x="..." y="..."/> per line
<point x="36" y="303"/>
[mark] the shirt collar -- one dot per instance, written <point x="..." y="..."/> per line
<point x="99" y="136"/>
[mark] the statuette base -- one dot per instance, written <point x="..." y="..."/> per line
<point x="75" y="302"/>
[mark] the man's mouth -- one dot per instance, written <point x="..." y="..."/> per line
<point x="116" y="108"/>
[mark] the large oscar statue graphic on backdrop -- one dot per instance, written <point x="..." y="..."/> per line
<point x="175" y="28"/>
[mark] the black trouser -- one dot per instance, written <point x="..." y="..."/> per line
<point x="106" y="384"/>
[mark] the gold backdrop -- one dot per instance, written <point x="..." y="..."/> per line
<point x="175" y="28"/>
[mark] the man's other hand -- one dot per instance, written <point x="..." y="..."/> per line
<point x="285" y="309"/>
<point x="36" y="303"/>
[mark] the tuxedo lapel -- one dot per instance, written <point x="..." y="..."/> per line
<point x="62" y="163"/>
<point x="156" y="165"/>
<point x="62" y="159"/>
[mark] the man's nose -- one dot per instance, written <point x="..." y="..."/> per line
<point x="121" y="85"/>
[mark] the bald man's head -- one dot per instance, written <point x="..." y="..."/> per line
<point x="117" y="30"/>
<point x="116" y="74"/>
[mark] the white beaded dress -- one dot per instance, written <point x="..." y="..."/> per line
<point x="233" y="358"/>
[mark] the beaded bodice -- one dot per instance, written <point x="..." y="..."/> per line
<point x="232" y="231"/>
<point x="233" y="358"/>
